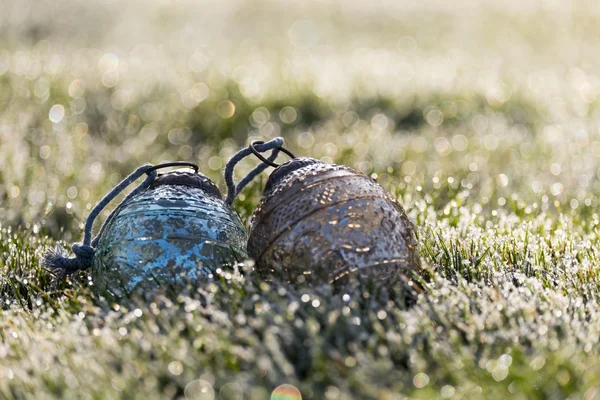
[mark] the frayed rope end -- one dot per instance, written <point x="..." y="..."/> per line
<point x="57" y="260"/>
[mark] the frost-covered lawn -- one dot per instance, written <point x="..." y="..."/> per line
<point x="482" y="119"/>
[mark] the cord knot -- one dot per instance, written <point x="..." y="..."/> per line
<point x="57" y="260"/>
<point x="84" y="252"/>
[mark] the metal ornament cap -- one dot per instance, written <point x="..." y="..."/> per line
<point x="179" y="228"/>
<point x="320" y="221"/>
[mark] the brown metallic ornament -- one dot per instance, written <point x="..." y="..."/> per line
<point x="319" y="222"/>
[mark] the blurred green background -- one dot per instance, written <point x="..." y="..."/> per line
<point x="499" y="100"/>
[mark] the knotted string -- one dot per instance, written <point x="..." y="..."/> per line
<point x="57" y="259"/>
<point x="232" y="189"/>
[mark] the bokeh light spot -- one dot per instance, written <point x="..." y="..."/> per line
<point x="175" y="368"/>
<point x="109" y="62"/>
<point x="421" y="380"/>
<point x="77" y="88"/>
<point x="288" y="115"/>
<point x="226" y="109"/>
<point x="57" y="113"/>
<point x="286" y="392"/>
<point x="199" y="390"/>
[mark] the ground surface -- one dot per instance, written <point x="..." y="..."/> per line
<point x="483" y="120"/>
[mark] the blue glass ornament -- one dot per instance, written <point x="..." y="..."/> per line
<point x="172" y="227"/>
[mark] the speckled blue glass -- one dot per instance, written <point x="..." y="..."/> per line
<point x="179" y="228"/>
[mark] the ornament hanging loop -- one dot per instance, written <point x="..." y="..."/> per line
<point x="58" y="260"/>
<point x="256" y="147"/>
<point x="254" y="151"/>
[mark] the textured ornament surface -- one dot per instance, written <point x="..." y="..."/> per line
<point x="330" y="222"/>
<point x="168" y="232"/>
